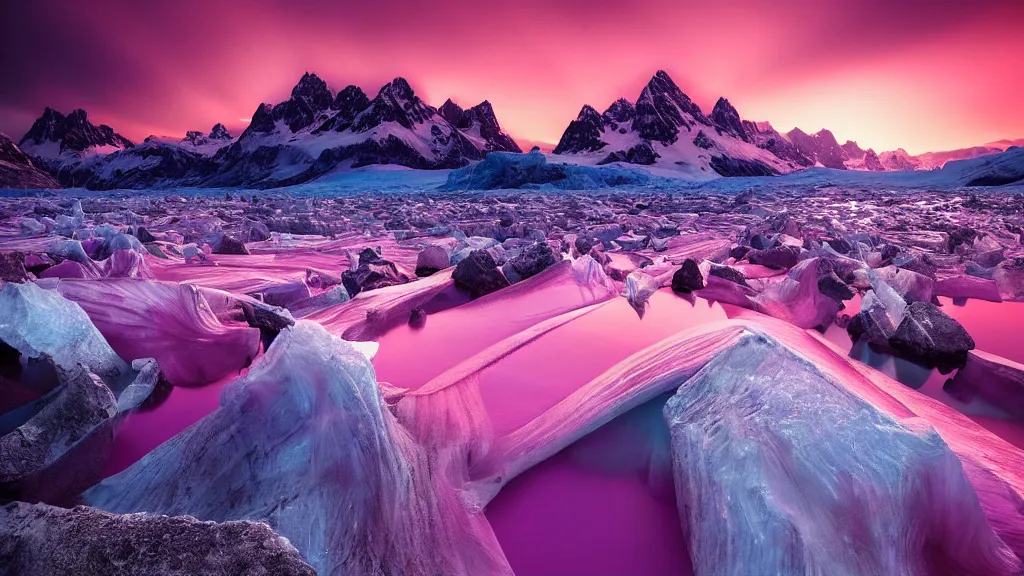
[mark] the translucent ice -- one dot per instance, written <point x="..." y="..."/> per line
<point x="781" y="471"/>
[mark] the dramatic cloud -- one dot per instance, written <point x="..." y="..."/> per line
<point x="922" y="74"/>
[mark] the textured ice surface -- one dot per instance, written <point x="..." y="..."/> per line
<point x="148" y="319"/>
<point x="304" y="442"/>
<point x="781" y="471"/>
<point x="39" y="322"/>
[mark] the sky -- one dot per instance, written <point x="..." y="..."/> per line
<point x="923" y="75"/>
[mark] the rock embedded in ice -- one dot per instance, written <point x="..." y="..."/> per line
<point x="881" y="312"/>
<point x="304" y="442"/>
<point x="996" y="380"/>
<point x="533" y="260"/>
<point x="782" y="471"/>
<point x="479" y="274"/>
<point x="928" y="335"/>
<point x="41" y="539"/>
<point x="688" y="277"/>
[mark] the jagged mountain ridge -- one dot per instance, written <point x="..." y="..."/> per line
<point x="56" y="140"/>
<point x="311" y="133"/>
<point x="666" y="128"/>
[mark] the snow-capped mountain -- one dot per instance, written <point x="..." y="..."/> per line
<point x="57" y="140"/>
<point x="17" y="169"/>
<point x="311" y="133"/>
<point x="665" y="128"/>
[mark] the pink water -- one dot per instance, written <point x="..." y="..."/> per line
<point x="604" y="505"/>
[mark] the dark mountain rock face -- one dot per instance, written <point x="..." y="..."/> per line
<point x="702" y="141"/>
<point x="396" y="102"/>
<point x="767" y="138"/>
<point x="660" y="110"/>
<point x="821" y="147"/>
<point x="622" y="112"/>
<point x="74" y="132"/>
<point x="262" y="121"/>
<point x="726" y="166"/>
<point x="310" y="99"/>
<point x="18" y="171"/>
<point x="349" y="103"/>
<point x="727" y="119"/>
<point x="481" y="119"/>
<point x="642" y="153"/>
<point x="148" y="165"/>
<point x="583" y="133"/>
<point x="451" y="112"/>
<point x="219" y="132"/>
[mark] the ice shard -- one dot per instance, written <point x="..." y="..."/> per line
<point x="781" y="471"/>
<point x="304" y="443"/>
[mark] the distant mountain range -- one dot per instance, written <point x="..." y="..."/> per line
<point x="667" y="129"/>
<point x="317" y="131"/>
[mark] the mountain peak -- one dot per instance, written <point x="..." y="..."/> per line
<point x="314" y="89"/>
<point x="620" y="111"/>
<point x="451" y="112"/>
<point x="726" y="118"/>
<point x="73" y="132"/>
<point x="262" y="120"/>
<point x="219" y="132"/>
<point x="395" y="102"/>
<point x="662" y="110"/>
<point x="399" y="89"/>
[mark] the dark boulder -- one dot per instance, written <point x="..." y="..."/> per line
<point x="143" y="235"/>
<point x="778" y="257"/>
<point x="926" y="334"/>
<point x="832" y="286"/>
<point x="531" y="261"/>
<point x="583" y="244"/>
<point x="231" y="245"/>
<point x="739" y="252"/>
<point x="478" y="274"/>
<point x="372" y="272"/>
<point x="687" y="278"/>
<point x="417" y="318"/>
